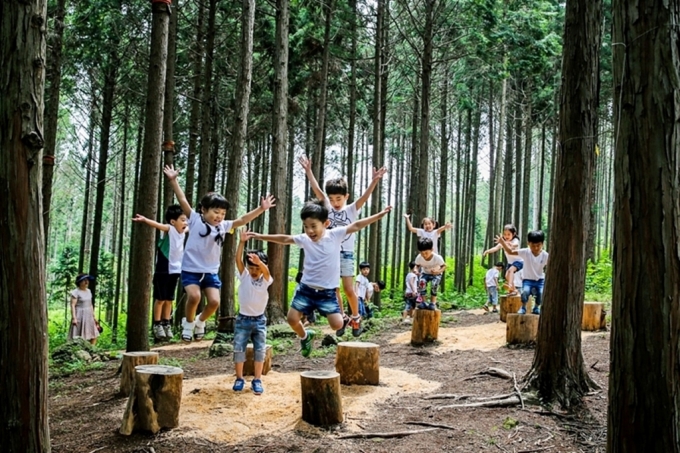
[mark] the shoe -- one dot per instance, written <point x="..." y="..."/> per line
<point x="355" y="324"/>
<point x="422" y="306"/>
<point x="341" y="331"/>
<point x="256" y="385"/>
<point x="159" y="332"/>
<point x="307" y="343"/>
<point x="407" y="321"/>
<point x="239" y="383"/>
<point x="522" y="311"/>
<point x="188" y="330"/>
<point x="495" y="310"/>
<point x="168" y="331"/>
<point x="485" y="307"/>
<point x="536" y="310"/>
<point x="431" y="306"/>
<point x="199" y="331"/>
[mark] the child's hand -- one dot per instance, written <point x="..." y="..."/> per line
<point x="306" y="163"/>
<point x="267" y="202"/>
<point x="499" y="239"/>
<point x="377" y="174"/>
<point x="139" y="218"/>
<point x="407" y="216"/>
<point x="448" y="225"/>
<point x="170" y="172"/>
<point x="254" y="259"/>
<point x="386" y="210"/>
<point x="243" y="234"/>
<point x="74" y="322"/>
<point x="252" y="235"/>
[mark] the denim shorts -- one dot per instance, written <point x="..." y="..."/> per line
<point x="247" y="329"/>
<point x="203" y="280"/>
<point x="410" y="302"/>
<point x="308" y="299"/>
<point x="434" y="280"/>
<point x="532" y="288"/>
<point x="517" y="265"/>
<point x="346" y="264"/>
<point x="492" y="291"/>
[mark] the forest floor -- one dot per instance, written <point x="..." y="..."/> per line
<point x="85" y="413"/>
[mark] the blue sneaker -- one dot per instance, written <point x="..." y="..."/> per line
<point x="536" y="310"/>
<point x="522" y="311"/>
<point x="256" y="385"/>
<point x="422" y="306"/>
<point x="431" y="306"/>
<point x="238" y="385"/>
<point x="307" y="344"/>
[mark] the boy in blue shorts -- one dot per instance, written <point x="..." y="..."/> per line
<point x="317" y="288"/>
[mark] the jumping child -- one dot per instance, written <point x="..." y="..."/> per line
<point x="410" y="292"/>
<point x="491" y="286"/>
<point x="432" y="267"/>
<point x="512" y="280"/>
<point x="428" y="230"/>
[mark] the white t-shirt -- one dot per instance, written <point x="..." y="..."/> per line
<point x="176" y="250"/>
<point x="426" y="267"/>
<point x="510" y="257"/>
<point x="533" y="265"/>
<point x="202" y="254"/>
<point x="342" y="218"/>
<point x="433" y="235"/>
<point x="322" y="258"/>
<point x="363" y="287"/>
<point x="491" y="277"/>
<point x="252" y="294"/>
<point x="411" y="283"/>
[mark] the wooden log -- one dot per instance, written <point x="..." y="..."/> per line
<point x="130" y="361"/>
<point x="249" y="364"/>
<point x="321" y="397"/>
<point x="155" y="399"/>
<point x="594" y="316"/>
<point x="358" y="363"/>
<point x="521" y="329"/>
<point x="425" y="327"/>
<point x="511" y="304"/>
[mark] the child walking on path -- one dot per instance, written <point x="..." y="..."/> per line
<point x="201" y="259"/>
<point x="169" y="253"/>
<point x="512" y="280"/>
<point x="432" y="267"/>
<point x="428" y="230"/>
<point x="83" y="324"/>
<point x="317" y="289"/>
<point x="339" y="215"/>
<point x="491" y="286"/>
<point x="251" y="322"/>
<point x="533" y="269"/>
<point x="362" y="286"/>
<point x="410" y="292"/>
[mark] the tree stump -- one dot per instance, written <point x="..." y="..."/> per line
<point x="511" y="304"/>
<point x="521" y="329"/>
<point x="425" y="327"/>
<point x="249" y="365"/>
<point x="130" y="361"/>
<point x="358" y="363"/>
<point x="594" y="316"/>
<point x="321" y="397"/>
<point x="155" y="399"/>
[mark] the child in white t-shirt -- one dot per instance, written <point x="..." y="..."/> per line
<point x="491" y="286"/>
<point x="362" y="286"/>
<point x="321" y="267"/>
<point x="251" y="321"/>
<point x="512" y="279"/>
<point x="431" y="269"/>
<point x="410" y="292"/>
<point x="428" y="230"/>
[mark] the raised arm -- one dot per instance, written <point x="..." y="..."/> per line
<point x="313" y="183"/>
<point x="506" y="247"/>
<point x="366" y="221"/>
<point x="243" y="234"/>
<point x="265" y="203"/>
<point x="409" y="226"/>
<point x="152" y="223"/>
<point x="284" y="239"/>
<point x="263" y="267"/>
<point x="172" y="174"/>
<point x="375" y="179"/>
<point x="446" y="226"/>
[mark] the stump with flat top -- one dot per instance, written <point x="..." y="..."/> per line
<point x="511" y="304"/>
<point x="321" y="397"/>
<point x="521" y="329"/>
<point x="130" y="361"/>
<point x="594" y="316"/>
<point x="249" y="364"/>
<point x="358" y="363"/>
<point x="425" y="327"/>
<point x="155" y="399"/>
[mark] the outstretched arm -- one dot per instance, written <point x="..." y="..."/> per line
<point x="152" y="223"/>
<point x="284" y="239"/>
<point x="444" y="227"/>
<point x="366" y="221"/>
<point x="265" y="203"/>
<point x="171" y="173"/>
<point x="243" y="234"/>
<point x="375" y="179"/>
<point x="313" y="183"/>
<point x="409" y="226"/>
<point x="263" y="267"/>
<point x="506" y="247"/>
<point x="493" y="249"/>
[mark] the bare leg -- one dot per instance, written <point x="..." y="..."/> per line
<point x="348" y="286"/>
<point x="335" y="321"/>
<point x="238" y="368"/>
<point x="213" y="303"/>
<point x="157" y="309"/>
<point x="166" y="310"/>
<point x="294" y="320"/>
<point x="257" y="373"/>
<point x="193" y="298"/>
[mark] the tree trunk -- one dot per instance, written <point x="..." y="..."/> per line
<point x="413" y="187"/>
<point x="195" y="115"/>
<point x="508" y="172"/>
<point x="121" y="230"/>
<point x="644" y="383"/>
<point x="23" y="304"/>
<point x="443" y="162"/>
<point x="84" y="249"/>
<point x="491" y="216"/>
<point x="205" y="184"/>
<point x="517" y="180"/>
<point x="420" y="209"/>
<point x="169" y="108"/>
<point x="558" y="372"/>
<point x="541" y="180"/>
<point x="526" y="179"/>
<point x="142" y="251"/>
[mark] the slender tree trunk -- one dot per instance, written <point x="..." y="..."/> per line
<point x="352" y="100"/>
<point x="491" y="217"/>
<point x="169" y="108"/>
<point x="121" y="229"/>
<point x="443" y="162"/>
<point x="84" y="249"/>
<point x="526" y="179"/>
<point x="517" y="180"/>
<point x="541" y="180"/>
<point x="414" y="174"/>
<point x="205" y="184"/>
<point x="508" y="173"/>
<point x="195" y="115"/>
<point x="420" y="209"/>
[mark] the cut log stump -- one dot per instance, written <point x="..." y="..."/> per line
<point x="425" y="327"/>
<point x="511" y="304"/>
<point x="358" y="363"/>
<point x="130" y="361"/>
<point x="155" y="399"/>
<point x="521" y="329"/>
<point x="594" y="316"/>
<point x="249" y="365"/>
<point x="321" y="397"/>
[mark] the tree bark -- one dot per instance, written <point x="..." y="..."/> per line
<point x="205" y="184"/>
<point x="526" y="179"/>
<point x="195" y="115"/>
<point x="169" y="108"/>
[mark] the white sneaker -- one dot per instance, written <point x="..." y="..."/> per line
<point x="168" y="331"/>
<point x="199" y="331"/>
<point x="187" y="330"/>
<point x="159" y="332"/>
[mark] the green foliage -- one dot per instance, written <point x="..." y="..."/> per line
<point x="599" y="277"/>
<point x="63" y="272"/>
<point x="510" y="423"/>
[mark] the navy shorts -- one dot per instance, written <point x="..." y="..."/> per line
<point x="165" y="286"/>
<point x="308" y="299"/>
<point x="206" y="280"/>
<point x="517" y="265"/>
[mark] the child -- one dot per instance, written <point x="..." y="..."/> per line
<point x="410" y="292"/>
<point x="533" y="270"/>
<point x="431" y="266"/>
<point x="512" y="281"/>
<point x="374" y="287"/>
<point x="362" y="285"/>
<point x="251" y="322"/>
<point x="491" y="286"/>
<point x="340" y="214"/>
<point x="428" y="230"/>
<point x="168" y="267"/>
<point x="83" y="324"/>
<point x="201" y="259"/>
<point x="322" y="273"/>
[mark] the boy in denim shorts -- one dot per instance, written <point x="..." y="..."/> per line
<point x="341" y="214"/>
<point x="251" y="322"/>
<point x="321" y="265"/>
